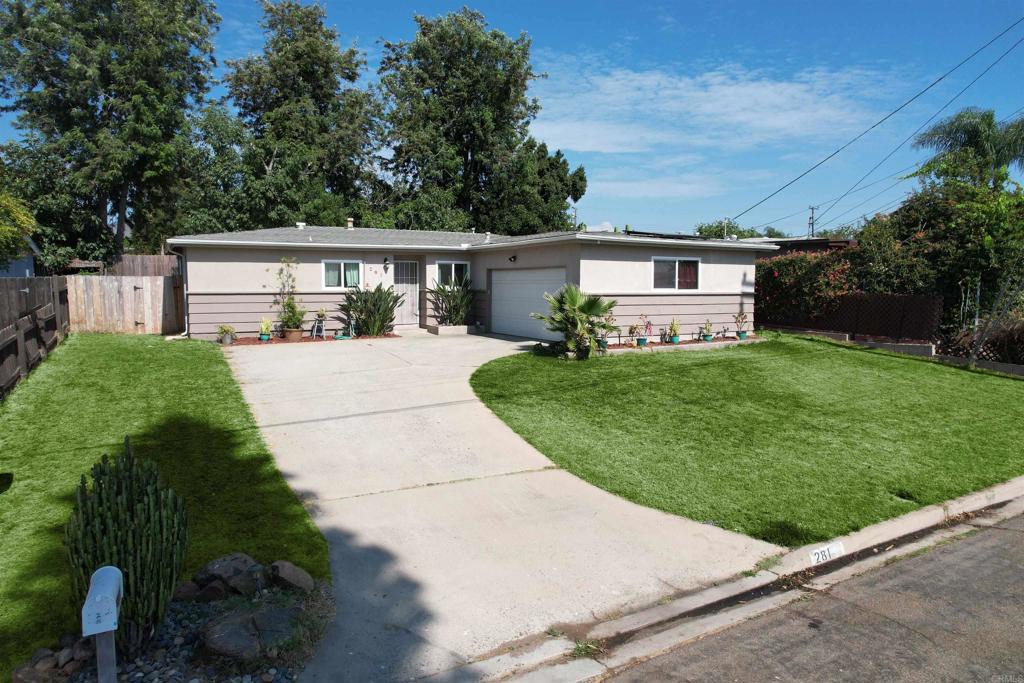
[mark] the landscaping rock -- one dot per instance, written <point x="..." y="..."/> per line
<point x="186" y="591"/>
<point x="213" y="591"/>
<point x="233" y="636"/>
<point x="81" y="650"/>
<point x="287" y="575"/>
<point x="64" y="656"/>
<point x="46" y="663"/>
<point x="28" y="674"/>
<point x="276" y="625"/>
<point x="40" y="654"/>
<point x="244" y="635"/>
<point x="239" y="571"/>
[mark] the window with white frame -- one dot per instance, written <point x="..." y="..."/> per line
<point x="342" y="274"/>
<point x="452" y="271"/>
<point x="676" y="273"/>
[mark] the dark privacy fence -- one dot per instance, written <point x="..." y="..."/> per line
<point x="33" y="320"/>
<point x="895" y="316"/>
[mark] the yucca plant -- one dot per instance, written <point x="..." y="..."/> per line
<point x="370" y="311"/>
<point x="131" y="520"/>
<point x="452" y="302"/>
<point x="580" y="319"/>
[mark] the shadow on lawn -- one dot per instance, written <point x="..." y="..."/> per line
<point x="788" y="534"/>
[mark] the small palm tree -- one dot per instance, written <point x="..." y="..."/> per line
<point x="580" y="318"/>
<point x="974" y="135"/>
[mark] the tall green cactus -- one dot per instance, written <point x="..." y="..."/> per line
<point x="132" y="521"/>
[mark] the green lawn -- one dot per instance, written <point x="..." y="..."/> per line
<point x="182" y="409"/>
<point x="792" y="440"/>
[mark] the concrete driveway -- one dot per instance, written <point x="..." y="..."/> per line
<point x="449" y="535"/>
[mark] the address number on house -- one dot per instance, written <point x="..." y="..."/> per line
<point x="827" y="553"/>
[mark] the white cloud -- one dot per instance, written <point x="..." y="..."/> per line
<point x="687" y="186"/>
<point x="590" y="105"/>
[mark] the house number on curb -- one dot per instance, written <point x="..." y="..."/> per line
<point x="826" y="553"/>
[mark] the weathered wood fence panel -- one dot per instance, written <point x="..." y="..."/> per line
<point x="33" y="320"/>
<point x="145" y="264"/>
<point x="143" y="304"/>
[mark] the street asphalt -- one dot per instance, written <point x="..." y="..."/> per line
<point x="953" y="613"/>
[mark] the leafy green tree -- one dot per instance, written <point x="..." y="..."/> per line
<point x="973" y="145"/>
<point x="102" y="89"/>
<point x="457" y="114"/>
<point x="16" y="225"/>
<point x="724" y="227"/>
<point x="311" y="129"/>
<point x="208" y="195"/>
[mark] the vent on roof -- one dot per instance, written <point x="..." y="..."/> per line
<point x="300" y="226"/>
<point x="487" y="238"/>
<point x="350" y="223"/>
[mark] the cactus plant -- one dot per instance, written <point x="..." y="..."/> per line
<point x="131" y="520"/>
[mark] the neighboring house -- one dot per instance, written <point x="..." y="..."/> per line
<point x="25" y="265"/>
<point x="788" y="244"/>
<point x="230" y="278"/>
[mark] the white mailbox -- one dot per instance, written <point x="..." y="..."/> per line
<point x="99" y="613"/>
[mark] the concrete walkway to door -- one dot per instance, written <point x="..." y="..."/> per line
<point x="449" y="535"/>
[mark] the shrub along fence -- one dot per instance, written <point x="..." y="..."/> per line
<point x="894" y="316"/>
<point x="34" y="318"/>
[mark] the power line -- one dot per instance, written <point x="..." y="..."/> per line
<point x="884" y="118"/>
<point x="859" y="189"/>
<point x="880" y="209"/>
<point x="878" y="194"/>
<point x="921" y="127"/>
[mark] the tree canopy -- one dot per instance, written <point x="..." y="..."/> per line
<point x="16" y="226"/>
<point x="974" y="145"/>
<point x="120" y="149"/>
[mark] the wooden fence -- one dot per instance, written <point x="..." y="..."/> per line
<point x="145" y="264"/>
<point x="33" y="320"/>
<point x="143" y="304"/>
<point x="892" y="316"/>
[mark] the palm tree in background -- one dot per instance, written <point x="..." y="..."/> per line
<point x="974" y="139"/>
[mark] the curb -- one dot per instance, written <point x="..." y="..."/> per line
<point x="726" y="604"/>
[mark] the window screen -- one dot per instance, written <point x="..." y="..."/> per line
<point x="664" y="274"/>
<point x="687" y="274"/>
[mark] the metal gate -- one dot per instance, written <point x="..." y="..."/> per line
<point x="407" y="282"/>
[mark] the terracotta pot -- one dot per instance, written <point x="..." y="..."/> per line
<point x="293" y="334"/>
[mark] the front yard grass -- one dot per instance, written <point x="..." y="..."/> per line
<point x="182" y="409"/>
<point x="792" y="440"/>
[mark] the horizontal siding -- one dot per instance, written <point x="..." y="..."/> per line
<point x="691" y="310"/>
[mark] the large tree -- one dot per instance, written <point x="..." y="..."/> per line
<point x="16" y="225"/>
<point x="102" y="88"/>
<point x="457" y="116"/>
<point x="310" y="127"/>
<point x="976" y="144"/>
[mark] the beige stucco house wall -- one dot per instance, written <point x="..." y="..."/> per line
<point x="230" y="281"/>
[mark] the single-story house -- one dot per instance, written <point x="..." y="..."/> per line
<point x="230" y="278"/>
<point x="24" y="265"/>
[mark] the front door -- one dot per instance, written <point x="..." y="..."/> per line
<point x="407" y="282"/>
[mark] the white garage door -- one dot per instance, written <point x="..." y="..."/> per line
<point x="515" y="294"/>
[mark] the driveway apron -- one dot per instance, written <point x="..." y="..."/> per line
<point x="449" y="535"/>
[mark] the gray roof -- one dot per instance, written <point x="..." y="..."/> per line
<point x="317" y="234"/>
<point x="367" y="238"/>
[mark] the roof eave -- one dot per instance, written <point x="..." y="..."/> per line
<point x="186" y="242"/>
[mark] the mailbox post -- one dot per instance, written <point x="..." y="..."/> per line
<point x="99" y="618"/>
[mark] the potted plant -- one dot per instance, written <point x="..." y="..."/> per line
<point x="291" y="315"/>
<point x="741" y="322"/>
<point x="226" y="334"/>
<point x="641" y="330"/>
<point x="266" y="328"/>
<point x="707" y="331"/>
<point x="673" y="331"/>
<point x="609" y="324"/>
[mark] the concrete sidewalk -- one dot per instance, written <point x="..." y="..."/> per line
<point x="449" y="535"/>
<point x="954" y="613"/>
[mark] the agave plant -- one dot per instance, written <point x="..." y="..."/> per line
<point x="580" y="318"/>
<point x="370" y="311"/>
<point x="452" y="302"/>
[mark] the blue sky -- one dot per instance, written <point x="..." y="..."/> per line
<point x="691" y="111"/>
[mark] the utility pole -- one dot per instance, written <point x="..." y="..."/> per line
<point x="810" y="221"/>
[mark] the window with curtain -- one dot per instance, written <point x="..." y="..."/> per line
<point x="676" y="274"/>
<point x="452" y="271"/>
<point x="341" y="274"/>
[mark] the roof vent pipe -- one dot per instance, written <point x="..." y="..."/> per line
<point x="300" y="226"/>
<point x="350" y="222"/>
<point x="487" y="238"/>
